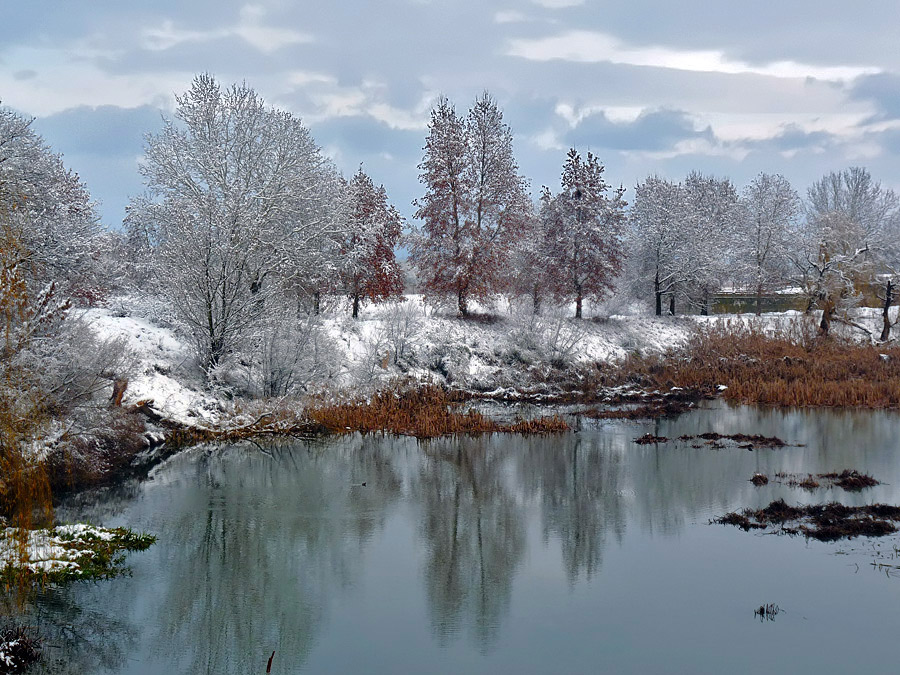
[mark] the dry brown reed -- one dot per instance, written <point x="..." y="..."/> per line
<point x="793" y="369"/>
<point x="424" y="412"/>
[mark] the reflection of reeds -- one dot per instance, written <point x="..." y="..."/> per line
<point x="796" y="369"/>
<point x="425" y="412"/>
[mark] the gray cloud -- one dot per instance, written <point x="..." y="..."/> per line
<point x="653" y="130"/>
<point x="102" y="145"/>
<point x="373" y="66"/>
<point x="884" y="90"/>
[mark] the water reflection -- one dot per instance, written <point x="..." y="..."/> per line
<point x="580" y="486"/>
<point x="271" y="548"/>
<point x="473" y="533"/>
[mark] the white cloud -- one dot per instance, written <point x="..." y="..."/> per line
<point x="617" y="114"/>
<point x="596" y="47"/>
<point x="67" y="80"/>
<point x="760" y="126"/>
<point x="250" y="28"/>
<point x="509" y="16"/>
<point x="558" y="4"/>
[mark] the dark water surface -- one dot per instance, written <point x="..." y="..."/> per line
<point x="581" y="553"/>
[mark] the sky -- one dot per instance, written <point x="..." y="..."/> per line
<point x="731" y="89"/>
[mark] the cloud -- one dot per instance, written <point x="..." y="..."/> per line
<point x="883" y="89"/>
<point x="69" y="79"/>
<point x="653" y="130"/>
<point x="509" y="16"/>
<point x="102" y="144"/>
<point x="101" y="130"/>
<point x="558" y="4"/>
<point x="250" y="28"/>
<point x="596" y="47"/>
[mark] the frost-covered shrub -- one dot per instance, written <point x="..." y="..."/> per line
<point x="451" y="361"/>
<point x="550" y="337"/>
<point x="287" y="354"/>
<point x="402" y="322"/>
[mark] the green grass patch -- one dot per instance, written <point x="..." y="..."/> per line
<point x="67" y="553"/>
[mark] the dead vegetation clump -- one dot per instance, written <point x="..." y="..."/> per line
<point x="851" y="480"/>
<point x="759" y="479"/>
<point x="755" y="440"/>
<point x="424" y="412"/>
<point x="650" y="439"/>
<point x="848" y="479"/>
<point x="767" y="612"/>
<point x="824" y="522"/>
<point x="19" y="649"/>
<point x="795" y="367"/>
<point x="653" y="410"/>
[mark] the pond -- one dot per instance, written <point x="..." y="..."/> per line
<point x="577" y="553"/>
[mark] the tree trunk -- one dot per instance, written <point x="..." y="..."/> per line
<point x="827" y="312"/>
<point x="578" y="305"/>
<point x="317" y="302"/>
<point x="759" y="300"/>
<point x="536" y="301"/>
<point x="885" y="313"/>
<point x="119" y="387"/>
<point x="672" y="304"/>
<point x="704" y="307"/>
<point x="355" y="306"/>
<point x="462" y="303"/>
<point x="658" y="293"/>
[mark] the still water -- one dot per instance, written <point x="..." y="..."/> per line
<point x="581" y="553"/>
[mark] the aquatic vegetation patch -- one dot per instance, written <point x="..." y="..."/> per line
<point x="714" y="440"/>
<point x="848" y="479"/>
<point x="18" y="649"/>
<point x="652" y="410"/>
<point x="767" y="612"/>
<point x="650" y="439"/>
<point x="824" y="522"/>
<point x="423" y="412"/>
<point x="67" y="553"/>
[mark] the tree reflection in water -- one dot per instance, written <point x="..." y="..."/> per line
<point x="580" y="482"/>
<point x="259" y="545"/>
<point x="280" y="535"/>
<point x="473" y="535"/>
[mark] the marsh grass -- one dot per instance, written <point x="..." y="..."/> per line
<point x="792" y="368"/>
<point x="424" y="412"/>
<point x="87" y="555"/>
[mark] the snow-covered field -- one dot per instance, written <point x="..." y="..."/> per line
<point x="165" y="371"/>
<point x="411" y="339"/>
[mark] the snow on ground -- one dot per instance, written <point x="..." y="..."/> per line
<point x="165" y="370"/>
<point x="497" y="349"/>
<point x="44" y="550"/>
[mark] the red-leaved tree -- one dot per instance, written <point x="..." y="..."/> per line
<point x="370" y="270"/>
<point x="582" y="232"/>
<point x="474" y="203"/>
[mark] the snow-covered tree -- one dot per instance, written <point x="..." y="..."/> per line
<point x="243" y="204"/>
<point x="769" y="211"/>
<point x="658" y="247"/>
<point x="370" y="269"/>
<point x="848" y="240"/>
<point x="709" y="231"/>
<point x="530" y="275"/>
<point x="474" y="203"/>
<point x="583" y="230"/>
<point x="55" y="215"/>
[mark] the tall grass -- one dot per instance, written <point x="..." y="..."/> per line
<point x="424" y="412"/>
<point x="794" y="367"/>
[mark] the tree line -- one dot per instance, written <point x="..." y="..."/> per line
<point x="246" y="229"/>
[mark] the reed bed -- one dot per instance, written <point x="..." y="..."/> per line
<point x="425" y="412"/>
<point x="796" y="369"/>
